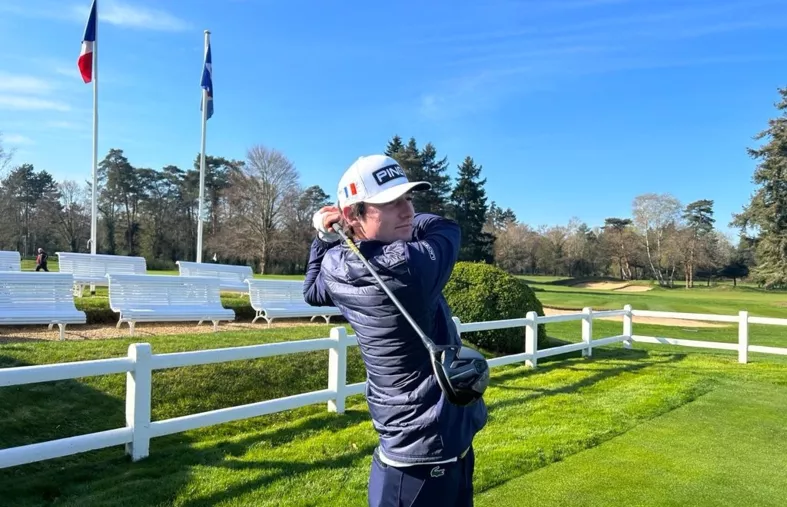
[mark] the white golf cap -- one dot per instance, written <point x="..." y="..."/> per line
<point x="375" y="179"/>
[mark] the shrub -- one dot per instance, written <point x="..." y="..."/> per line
<point x="479" y="292"/>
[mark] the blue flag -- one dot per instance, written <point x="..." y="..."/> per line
<point x="207" y="80"/>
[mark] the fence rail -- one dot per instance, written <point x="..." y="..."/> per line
<point x="141" y="362"/>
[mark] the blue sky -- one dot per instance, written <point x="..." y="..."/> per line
<point x="572" y="107"/>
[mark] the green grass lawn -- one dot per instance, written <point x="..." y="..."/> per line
<point x="722" y="299"/>
<point x="539" y="421"/>
<point x="719" y="450"/>
<point x="656" y="425"/>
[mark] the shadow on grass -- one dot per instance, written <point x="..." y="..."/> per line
<point x="558" y="362"/>
<point x="46" y="411"/>
<point x="54" y="410"/>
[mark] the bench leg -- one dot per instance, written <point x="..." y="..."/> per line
<point x="327" y="318"/>
<point x="215" y="325"/>
<point x="199" y="323"/>
<point x="62" y="331"/>
<point x="131" y="327"/>
<point x="258" y="316"/>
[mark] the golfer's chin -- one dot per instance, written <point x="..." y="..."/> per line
<point x="404" y="232"/>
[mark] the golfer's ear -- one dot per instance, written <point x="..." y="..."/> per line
<point x="348" y="215"/>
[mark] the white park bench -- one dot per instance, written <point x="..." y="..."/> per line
<point x="28" y="298"/>
<point x="231" y="278"/>
<point x="92" y="269"/>
<point x="10" y="261"/>
<point x="166" y="298"/>
<point x="272" y="299"/>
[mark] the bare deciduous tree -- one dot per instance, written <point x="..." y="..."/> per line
<point x="5" y="157"/>
<point x="656" y="215"/>
<point x="73" y="220"/>
<point x="257" y="194"/>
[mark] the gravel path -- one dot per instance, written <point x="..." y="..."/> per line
<point x="141" y="330"/>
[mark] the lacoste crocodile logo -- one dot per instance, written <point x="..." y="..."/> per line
<point x="437" y="472"/>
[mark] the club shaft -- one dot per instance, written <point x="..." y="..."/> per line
<point x="429" y="343"/>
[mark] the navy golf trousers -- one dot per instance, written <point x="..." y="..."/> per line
<point x="446" y="485"/>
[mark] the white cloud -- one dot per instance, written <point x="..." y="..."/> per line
<point x="10" y="83"/>
<point x="17" y="139"/>
<point x="118" y="13"/>
<point x="66" y="125"/>
<point x="135" y="16"/>
<point x="22" y="103"/>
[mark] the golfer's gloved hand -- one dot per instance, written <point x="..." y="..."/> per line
<point x="323" y="231"/>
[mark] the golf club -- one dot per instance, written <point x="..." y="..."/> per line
<point x="461" y="372"/>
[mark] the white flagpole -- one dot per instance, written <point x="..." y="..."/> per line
<point x="94" y="210"/>
<point x="202" y="161"/>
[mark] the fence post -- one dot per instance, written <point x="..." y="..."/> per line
<point x="743" y="337"/>
<point x="628" y="328"/>
<point x="587" y="331"/>
<point x="337" y="369"/>
<point x="531" y="339"/>
<point x="138" y="393"/>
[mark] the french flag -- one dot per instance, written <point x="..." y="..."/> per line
<point x="85" y="61"/>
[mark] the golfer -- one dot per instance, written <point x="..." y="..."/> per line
<point x="425" y="452"/>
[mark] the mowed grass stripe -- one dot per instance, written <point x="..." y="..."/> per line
<point x="727" y="448"/>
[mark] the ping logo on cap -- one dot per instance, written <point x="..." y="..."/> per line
<point x="388" y="173"/>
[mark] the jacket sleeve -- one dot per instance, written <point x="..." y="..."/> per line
<point x="433" y="251"/>
<point x="315" y="291"/>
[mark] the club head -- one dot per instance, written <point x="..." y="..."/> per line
<point x="462" y="373"/>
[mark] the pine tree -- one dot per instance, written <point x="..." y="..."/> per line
<point x="497" y="218"/>
<point x="395" y="145"/>
<point x="469" y="208"/>
<point x="767" y="211"/>
<point x="435" y="200"/>
<point x="699" y="220"/>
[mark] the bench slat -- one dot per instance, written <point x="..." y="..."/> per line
<point x="29" y="298"/>
<point x="10" y="260"/>
<point x="231" y="277"/>
<point x="284" y="298"/>
<point x="166" y="298"/>
<point x="93" y="268"/>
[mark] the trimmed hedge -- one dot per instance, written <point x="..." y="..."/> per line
<point x="480" y="292"/>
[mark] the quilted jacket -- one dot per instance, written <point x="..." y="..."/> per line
<point x="415" y="423"/>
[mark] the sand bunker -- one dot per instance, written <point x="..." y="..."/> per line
<point x="601" y="285"/>
<point x="661" y="321"/>
<point x="633" y="288"/>
<point x="616" y="286"/>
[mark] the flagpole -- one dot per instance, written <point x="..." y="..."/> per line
<point x="202" y="161"/>
<point x="94" y="197"/>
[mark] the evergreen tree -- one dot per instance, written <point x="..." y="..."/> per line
<point x="423" y="165"/>
<point x="435" y="200"/>
<point x="699" y="221"/>
<point x="395" y="145"/>
<point x="469" y="208"/>
<point x="498" y="219"/>
<point x="767" y="211"/>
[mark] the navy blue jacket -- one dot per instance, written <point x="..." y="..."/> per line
<point x="415" y="423"/>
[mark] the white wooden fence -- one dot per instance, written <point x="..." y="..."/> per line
<point x="140" y="363"/>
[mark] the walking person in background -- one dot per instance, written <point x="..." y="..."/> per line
<point x="425" y="454"/>
<point x="41" y="260"/>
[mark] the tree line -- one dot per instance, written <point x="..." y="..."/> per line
<point x="258" y="212"/>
